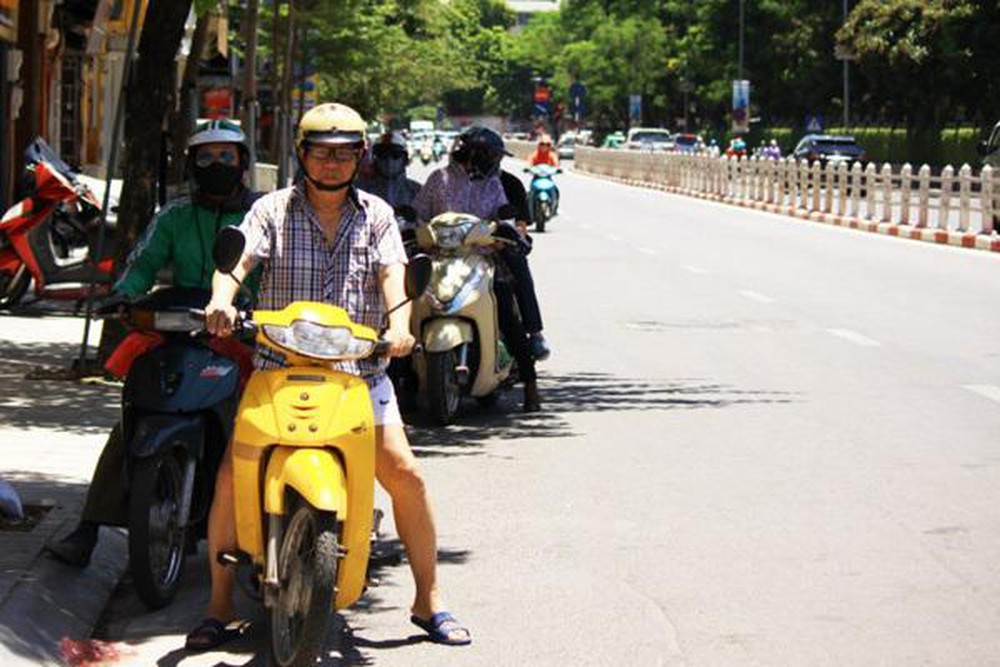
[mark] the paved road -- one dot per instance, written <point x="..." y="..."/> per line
<point x="766" y="442"/>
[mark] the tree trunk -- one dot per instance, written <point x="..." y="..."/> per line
<point x="146" y="104"/>
<point x="147" y="99"/>
<point x="182" y="121"/>
<point x="250" y="85"/>
<point x="300" y="47"/>
<point x="275" y="80"/>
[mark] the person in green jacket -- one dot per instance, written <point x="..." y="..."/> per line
<point x="180" y="236"/>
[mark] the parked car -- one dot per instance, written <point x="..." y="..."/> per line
<point x="614" y="140"/>
<point x="829" y="148"/>
<point x="649" y="138"/>
<point x="990" y="149"/>
<point x="689" y="143"/>
<point x="566" y="146"/>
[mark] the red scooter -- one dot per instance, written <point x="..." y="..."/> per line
<point x="51" y="235"/>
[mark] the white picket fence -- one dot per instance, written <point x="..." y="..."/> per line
<point x="952" y="207"/>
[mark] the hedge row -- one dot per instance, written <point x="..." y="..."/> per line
<point x="888" y="144"/>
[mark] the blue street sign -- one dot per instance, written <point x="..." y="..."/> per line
<point x="541" y="109"/>
<point x="635" y="108"/>
<point x="814" y="123"/>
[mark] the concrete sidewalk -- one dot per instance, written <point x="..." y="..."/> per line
<point x="51" y="434"/>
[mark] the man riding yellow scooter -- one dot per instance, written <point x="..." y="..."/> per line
<point x="323" y="241"/>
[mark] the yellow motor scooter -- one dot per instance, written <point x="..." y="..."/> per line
<point x="304" y="465"/>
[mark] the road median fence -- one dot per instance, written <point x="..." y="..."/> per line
<point x="956" y="207"/>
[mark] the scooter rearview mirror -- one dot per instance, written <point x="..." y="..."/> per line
<point x="228" y="249"/>
<point x="415" y="281"/>
<point x="418" y="275"/>
<point x="406" y="212"/>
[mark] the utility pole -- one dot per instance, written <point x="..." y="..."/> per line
<point x="285" y="126"/>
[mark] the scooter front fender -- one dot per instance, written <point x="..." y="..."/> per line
<point x="318" y="476"/>
<point x="153" y="433"/>
<point x="314" y="474"/>
<point x="446" y="333"/>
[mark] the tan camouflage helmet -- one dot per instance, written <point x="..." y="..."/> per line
<point x="331" y="124"/>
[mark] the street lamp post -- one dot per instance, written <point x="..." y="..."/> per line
<point x="742" y="24"/>
<point x="847" y="82"/>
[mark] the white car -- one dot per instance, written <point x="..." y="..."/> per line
<point x="650" y="139"/>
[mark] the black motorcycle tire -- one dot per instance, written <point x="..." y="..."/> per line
<point x="307" y="562"/>
<point x="543" y="214"/>
<point x="443" y="392"/>
<point x="156" y="553"/>
<point x="13" y="288"/>
<point x="489" y="400"/>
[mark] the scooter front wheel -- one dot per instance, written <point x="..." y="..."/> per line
<point x="543" y="216"/>
<point x="13" y="288"/>
<point x="300" y="617"/>
<point x="443" y="391"/>
<point x="155" y="539"/>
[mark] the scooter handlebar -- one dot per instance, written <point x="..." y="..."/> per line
<point x="243" y="324"/>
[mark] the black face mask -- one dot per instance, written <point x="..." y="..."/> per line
<point x="217" y="180"/>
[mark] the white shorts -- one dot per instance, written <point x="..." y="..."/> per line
<point x="384" y="403"/>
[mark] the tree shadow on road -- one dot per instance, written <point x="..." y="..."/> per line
<point x="354" y="646"/>
<point x="36" y="396"/>
<point x="575" y="393"/>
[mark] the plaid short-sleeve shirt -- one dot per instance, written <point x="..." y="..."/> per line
<point x="284" y="232"/>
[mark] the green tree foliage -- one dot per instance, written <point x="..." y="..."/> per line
<point x="389" y="56"/>
<point x="663" y="48"/>
<point x="930" y="59"/>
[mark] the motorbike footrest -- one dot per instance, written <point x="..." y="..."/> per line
<point x="228" y="558"/>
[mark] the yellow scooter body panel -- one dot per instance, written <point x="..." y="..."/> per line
<point x="310" y="429"/>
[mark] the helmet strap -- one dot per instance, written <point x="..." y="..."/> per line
<point x="326" y="187"/>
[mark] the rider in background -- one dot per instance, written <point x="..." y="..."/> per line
<point x="516" y="259"/>
<point x="543" y="152"/>
<point x="180" y="235"/>
<point x="387" y="178"/>
<point x="471" y="184"/>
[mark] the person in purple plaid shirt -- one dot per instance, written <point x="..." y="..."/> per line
<point x="323" y="240"/>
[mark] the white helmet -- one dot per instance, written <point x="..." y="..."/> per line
<point x="218" y="132"/>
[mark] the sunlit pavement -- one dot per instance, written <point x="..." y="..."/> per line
<point x="764" y="441"/>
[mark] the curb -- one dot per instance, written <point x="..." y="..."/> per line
<point x="990" y="243"/>
<point x="52" y="602"/>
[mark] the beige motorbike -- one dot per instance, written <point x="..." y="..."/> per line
<point x="456" y="320"/>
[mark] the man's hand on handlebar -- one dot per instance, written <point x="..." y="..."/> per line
<point x="220" y="318"/>
<point x="400" y="342"/>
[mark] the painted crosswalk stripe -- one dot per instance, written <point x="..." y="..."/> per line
<point x="647" y="251"/>
<point x="756" y="296"/>
<point x="614" y="237"/>
<point x="694" y="269"/>
<point x="854" y="337"/>
<point x="989" y="391"/>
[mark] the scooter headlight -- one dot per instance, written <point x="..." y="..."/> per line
<point x="452" y="237"/>
<point x="317" y="341"/>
